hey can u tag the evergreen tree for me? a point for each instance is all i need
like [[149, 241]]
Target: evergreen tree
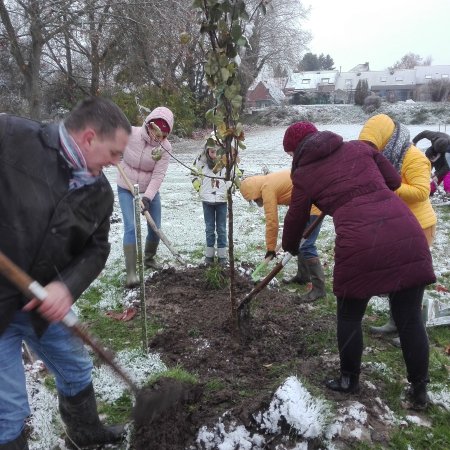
[[361, 92], [309, 62], [312, 62]]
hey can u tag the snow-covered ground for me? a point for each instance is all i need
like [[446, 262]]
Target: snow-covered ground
[[183, 225]]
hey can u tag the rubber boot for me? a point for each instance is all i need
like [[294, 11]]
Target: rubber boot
[[129, 251], [417, 396], [222, 256], [317, 279], [20, 443], [388, 328], [83, 426], [348, 384], [149, 255], [209, 255], [302, 276]]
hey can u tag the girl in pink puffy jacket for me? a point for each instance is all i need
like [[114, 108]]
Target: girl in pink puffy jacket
[[145, 163]]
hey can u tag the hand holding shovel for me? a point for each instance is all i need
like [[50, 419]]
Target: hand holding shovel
[[258, 288], [261, 267], [150, 220], [149, 404]]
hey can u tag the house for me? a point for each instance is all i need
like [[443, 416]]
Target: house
[[396, 85], [266, 93], [333, 86], [320, 83]]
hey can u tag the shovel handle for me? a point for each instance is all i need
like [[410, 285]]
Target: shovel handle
[[150, 220], [32, 289], [259, 287], [29, 287]]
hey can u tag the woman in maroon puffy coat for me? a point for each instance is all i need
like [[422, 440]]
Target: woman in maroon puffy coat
[[380, 247]]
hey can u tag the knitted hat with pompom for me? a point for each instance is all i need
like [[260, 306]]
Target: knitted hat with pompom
[[296, 133]]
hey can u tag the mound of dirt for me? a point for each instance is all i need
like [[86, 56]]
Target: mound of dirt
[[198, 335]]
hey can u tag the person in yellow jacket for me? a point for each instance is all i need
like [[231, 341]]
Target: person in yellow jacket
[[275, 189], [393, 139]]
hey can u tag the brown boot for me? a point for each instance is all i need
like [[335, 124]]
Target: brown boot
[[302, 276], [149, 255], [317, 279], [83, 425], [129, 252]]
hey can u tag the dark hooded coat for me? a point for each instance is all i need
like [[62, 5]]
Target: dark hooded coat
[[380, 246]]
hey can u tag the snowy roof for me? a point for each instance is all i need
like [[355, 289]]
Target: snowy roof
[[428, 73], [310, 79], [274, 86], [349, 80], [361, 68]]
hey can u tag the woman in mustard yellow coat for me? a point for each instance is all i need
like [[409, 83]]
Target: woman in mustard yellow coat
[[393, 139], [275, 189]]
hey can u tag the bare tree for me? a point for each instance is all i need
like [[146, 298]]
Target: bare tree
[[275, 38], [409, 61], [29, 25]]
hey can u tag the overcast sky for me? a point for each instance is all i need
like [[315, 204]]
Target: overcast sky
[[354, 31]]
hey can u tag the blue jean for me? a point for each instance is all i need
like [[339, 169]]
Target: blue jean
[[215, 215], [63, 354], [308, 249], [127, 206]]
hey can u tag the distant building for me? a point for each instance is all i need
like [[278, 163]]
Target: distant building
[[333, 86], [266, 93]]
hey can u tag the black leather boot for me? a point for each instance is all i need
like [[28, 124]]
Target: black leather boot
[[20, 443], [348, 384], [417, 396], [84, 429]]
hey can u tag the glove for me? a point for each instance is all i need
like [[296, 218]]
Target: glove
[[270, 254], [439, 140], [147, 202], [197, 184]]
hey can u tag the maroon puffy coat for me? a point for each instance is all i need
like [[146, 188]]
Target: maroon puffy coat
[[380, 246]]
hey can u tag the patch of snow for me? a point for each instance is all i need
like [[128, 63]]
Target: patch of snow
[[229, 436], [439, 396], [379, 304], [292, 403], [110, 387], [44, 420], [419, 421]]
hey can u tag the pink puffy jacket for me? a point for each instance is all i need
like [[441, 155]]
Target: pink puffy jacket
[[140, 162]]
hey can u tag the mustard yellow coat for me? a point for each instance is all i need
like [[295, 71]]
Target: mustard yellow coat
[[274, 189], [415, 170]]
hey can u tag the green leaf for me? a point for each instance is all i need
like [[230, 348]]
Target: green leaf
[[225, 74], [242, 145], [236, 102], [242, 42], [231, 91], [236, 32]]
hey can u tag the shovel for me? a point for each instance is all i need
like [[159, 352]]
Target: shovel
[[261, 267], [150, 404], [32, 289], [243, 304], [150, 220]]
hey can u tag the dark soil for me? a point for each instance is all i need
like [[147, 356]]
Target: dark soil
[[240, 377]]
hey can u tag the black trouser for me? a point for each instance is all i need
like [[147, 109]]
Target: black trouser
[[406, 307]]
